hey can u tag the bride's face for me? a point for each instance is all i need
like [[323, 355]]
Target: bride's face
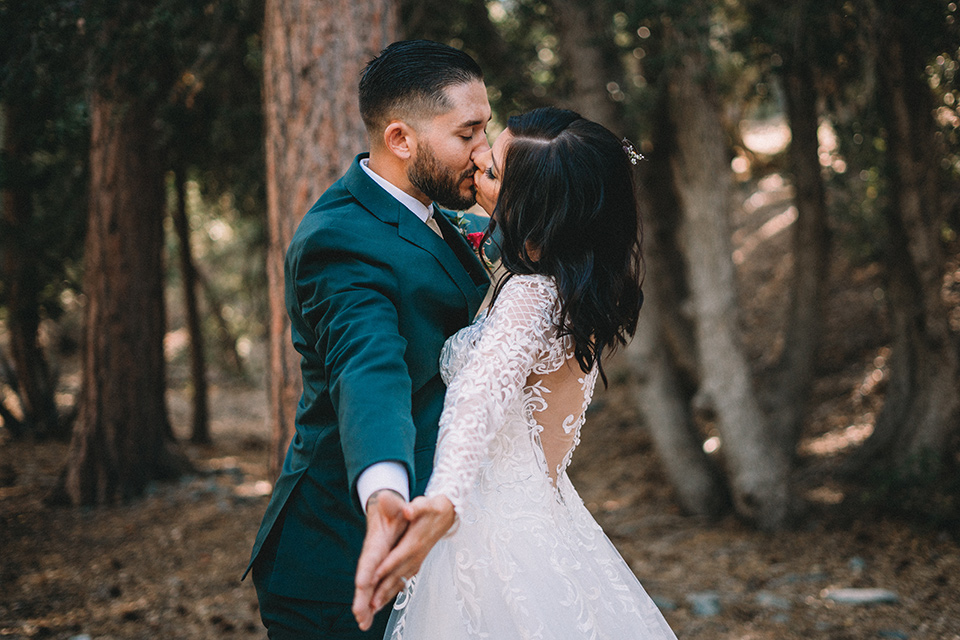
[[489, 171]]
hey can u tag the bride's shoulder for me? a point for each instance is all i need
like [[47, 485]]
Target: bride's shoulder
[[526, 294], [530, 285]]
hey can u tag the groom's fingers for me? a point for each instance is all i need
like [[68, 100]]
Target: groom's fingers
[[385, 525]]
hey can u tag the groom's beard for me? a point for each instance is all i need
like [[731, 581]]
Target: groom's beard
[[439, 183]]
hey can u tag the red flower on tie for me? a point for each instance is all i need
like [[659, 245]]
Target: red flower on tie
[[475, 239]]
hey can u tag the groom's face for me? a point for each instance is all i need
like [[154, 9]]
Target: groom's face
[[443, 168]]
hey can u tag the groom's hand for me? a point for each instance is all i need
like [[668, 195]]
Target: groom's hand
[[430, 519], [386, 522]]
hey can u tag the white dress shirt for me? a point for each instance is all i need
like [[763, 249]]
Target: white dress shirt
[[389, 474]]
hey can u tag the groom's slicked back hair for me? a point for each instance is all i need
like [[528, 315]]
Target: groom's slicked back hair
[[408, 81]]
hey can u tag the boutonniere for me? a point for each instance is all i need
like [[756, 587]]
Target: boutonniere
[[462, 225], [475, 239]]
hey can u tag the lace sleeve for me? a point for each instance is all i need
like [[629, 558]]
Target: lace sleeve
[[515, 334]]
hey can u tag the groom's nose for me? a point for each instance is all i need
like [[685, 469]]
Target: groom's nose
[[483, 147], [481, 156]]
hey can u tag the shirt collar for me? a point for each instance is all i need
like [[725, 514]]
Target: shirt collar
[[419, 209]]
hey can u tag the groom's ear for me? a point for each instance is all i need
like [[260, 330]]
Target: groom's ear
[[400, 139]]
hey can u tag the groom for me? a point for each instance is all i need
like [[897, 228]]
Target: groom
[[377, 278]]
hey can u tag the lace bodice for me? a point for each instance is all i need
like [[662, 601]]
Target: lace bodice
[[515, 399], [526, 560]]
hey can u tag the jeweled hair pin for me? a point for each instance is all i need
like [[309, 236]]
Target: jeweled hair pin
[[631, 151]]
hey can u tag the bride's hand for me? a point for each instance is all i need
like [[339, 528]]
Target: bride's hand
[[430, 519]]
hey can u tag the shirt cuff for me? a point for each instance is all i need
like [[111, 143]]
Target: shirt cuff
[[388, 474]]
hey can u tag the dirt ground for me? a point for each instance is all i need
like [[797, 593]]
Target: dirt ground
[[168, 566]]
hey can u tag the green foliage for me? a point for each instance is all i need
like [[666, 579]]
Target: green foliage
[[859, 201], [45, 125], [226, 246], [504, 37], [944, 78], [195, 66]]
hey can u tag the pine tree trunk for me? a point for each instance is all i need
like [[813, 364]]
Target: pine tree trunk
[[757, 468], [225, 337], [200, 425], [314, 51], [582, 40], [922, 408], [794, 373], [663, 353], [666, 411], [119, 443], [34, 380]]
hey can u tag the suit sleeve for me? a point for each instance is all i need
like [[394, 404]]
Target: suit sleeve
[[347, 297]]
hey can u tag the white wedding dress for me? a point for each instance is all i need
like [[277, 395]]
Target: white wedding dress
[[525, 558]]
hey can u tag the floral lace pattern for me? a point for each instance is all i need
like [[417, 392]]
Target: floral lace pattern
[[526, 559]]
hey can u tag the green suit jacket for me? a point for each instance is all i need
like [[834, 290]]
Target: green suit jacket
[[372, 293]]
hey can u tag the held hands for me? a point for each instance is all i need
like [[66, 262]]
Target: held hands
[[399, 536], [385, 524]]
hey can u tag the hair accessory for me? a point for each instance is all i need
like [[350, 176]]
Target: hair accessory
[[631, 151]]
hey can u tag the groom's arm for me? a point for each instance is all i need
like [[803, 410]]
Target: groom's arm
[[347, 297]]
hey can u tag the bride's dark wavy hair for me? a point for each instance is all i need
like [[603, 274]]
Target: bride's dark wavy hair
[[567, 196]]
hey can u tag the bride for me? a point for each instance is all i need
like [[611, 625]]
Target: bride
[[524, 558]]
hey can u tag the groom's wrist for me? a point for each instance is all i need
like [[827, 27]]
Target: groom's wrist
[[376, 495], [388, 474]]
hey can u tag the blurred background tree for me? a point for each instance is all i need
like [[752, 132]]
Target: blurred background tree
[[862, 95], [139, 71], [45, 127], [313, 131]]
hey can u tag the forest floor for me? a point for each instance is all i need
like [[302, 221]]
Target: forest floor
[[169, 565]]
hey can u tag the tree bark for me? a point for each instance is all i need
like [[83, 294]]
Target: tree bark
[[314, 51], [794, 373], [757, 468], [663, 353], [200, 426], [118, 442], [666, 412], [662, 356], [582, 39], [922, 408], [34, 381]]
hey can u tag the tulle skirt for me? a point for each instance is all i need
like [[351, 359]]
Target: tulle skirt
[[542, 570]]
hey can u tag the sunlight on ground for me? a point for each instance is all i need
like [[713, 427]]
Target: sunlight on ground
[[253, 489], [769, 137], [839, 440], [875, 376], [174, 342], [770, 228], [853, 435], [825, 495]]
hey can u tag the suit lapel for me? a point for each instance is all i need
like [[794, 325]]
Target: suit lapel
[[453, 256], [413, 230]]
